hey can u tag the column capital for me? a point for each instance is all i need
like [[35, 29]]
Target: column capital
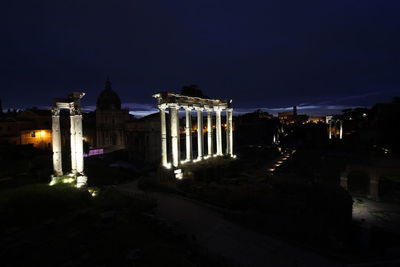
[[218, 108], [74, 109], [163, 106], [209, 108], [199, 108], [55, 111], [173, 105]]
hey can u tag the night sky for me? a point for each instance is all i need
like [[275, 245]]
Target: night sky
[[271, 54]]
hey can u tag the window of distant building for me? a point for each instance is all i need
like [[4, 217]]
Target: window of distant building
[[33, 134]]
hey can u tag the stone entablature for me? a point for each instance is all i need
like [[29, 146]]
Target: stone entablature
[[174, 102], [190, 101]]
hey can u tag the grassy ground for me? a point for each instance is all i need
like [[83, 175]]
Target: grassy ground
[[64, 226]]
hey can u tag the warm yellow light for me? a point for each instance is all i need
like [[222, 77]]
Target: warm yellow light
[[67, 180], [93, 192]]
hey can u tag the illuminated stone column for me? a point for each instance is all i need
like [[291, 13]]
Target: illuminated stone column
[[56, 142], [72, 138], [175, 134], [200, 134], [210, 143], [341, 130], [218, 130], [81, 179], [229, 132], [188, 131], [330, 129], [164, 152], [79, 143]]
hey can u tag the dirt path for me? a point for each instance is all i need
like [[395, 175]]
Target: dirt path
[[209, 229]]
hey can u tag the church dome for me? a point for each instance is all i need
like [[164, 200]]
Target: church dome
[[108, 99]]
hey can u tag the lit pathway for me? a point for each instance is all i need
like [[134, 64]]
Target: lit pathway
[[285, 155], [221, 237]]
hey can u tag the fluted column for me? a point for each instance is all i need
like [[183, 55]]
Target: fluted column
[[200, 134], [79, 142], [330, 129], [210, 143], [188, 131], [56, 142], [164, 152], [175, 135], [218, 130], [229, 132], [341, 130], [73, 138]]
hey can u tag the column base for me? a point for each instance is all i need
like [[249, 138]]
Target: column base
[[64, 179], [54, 179], [81, 181]]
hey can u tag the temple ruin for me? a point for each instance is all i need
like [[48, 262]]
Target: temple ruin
[[174, 102], [73, 104], [335, 129]]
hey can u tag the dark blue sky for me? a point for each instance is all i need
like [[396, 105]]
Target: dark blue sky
[[259, 53]]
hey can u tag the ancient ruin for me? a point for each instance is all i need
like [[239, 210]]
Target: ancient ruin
[[335, 129], [73, 104], [174, 102]]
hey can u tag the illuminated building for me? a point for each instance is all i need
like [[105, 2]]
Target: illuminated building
[[15, 125], [41, 139]]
